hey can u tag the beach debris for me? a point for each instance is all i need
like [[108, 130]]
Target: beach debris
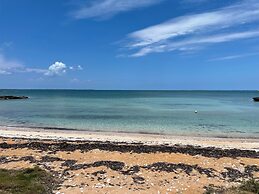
[[138, 179], [171, 167], [100, 172], [249, 169], [127, 147], [50, 159], [69, 163], [232, 174], [132, 175], [113, 165], [132, 170]]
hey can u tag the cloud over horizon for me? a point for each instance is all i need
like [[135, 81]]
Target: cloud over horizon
[[195, 30], [8, 67]]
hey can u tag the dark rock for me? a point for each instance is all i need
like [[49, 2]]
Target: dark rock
[[28, 158], [207, 171], [50, 159], [3, 160], [13, 97], [171, 167], [138, 180], [250, 169], [132, 170], [256, 99], [113, 165], [232, 174], [99, 172], [69, 163]]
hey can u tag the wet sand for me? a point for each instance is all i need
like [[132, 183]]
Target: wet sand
[[149, 139], [131, 163]]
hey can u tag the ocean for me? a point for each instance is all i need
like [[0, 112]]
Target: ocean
[[219, 113]]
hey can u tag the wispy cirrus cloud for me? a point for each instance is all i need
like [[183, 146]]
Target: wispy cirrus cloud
[[231, 57], [194, 30], [195, 1], [192, 43], [108, 8], [7, 66]]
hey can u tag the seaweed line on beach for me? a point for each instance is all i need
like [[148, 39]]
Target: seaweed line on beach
[[230, 174], [133, 148]]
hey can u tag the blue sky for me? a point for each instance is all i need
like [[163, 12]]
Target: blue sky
[[129, 44]]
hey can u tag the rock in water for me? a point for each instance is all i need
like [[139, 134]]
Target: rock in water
[[13, 97], [256, 99]]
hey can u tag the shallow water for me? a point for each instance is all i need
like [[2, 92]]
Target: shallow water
[[220, 113]]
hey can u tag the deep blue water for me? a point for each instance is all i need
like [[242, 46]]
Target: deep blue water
[[220, 113]]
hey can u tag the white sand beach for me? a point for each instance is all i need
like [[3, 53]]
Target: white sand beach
[[149, 139]]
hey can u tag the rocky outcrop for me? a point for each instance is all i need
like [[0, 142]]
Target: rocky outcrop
[[13, 97], [256, 99]]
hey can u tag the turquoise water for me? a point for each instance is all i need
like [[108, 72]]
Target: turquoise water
[[220, 113]]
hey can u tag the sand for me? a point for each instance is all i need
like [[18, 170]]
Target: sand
[[150, 139], [95, 162]]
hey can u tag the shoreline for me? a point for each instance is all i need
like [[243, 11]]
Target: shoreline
[[129, 138], [113, 167], [200, 135], [98, 162]]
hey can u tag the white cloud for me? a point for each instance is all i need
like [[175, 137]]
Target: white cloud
[[230, 57], [174, 28], [195, 1], [74, 80], [3, 72], [78, 67], [35, 70], [107, 8], [189, 44], [8, 66], [58, 68], [196, 29]]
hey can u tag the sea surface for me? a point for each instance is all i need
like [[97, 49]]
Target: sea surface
[[219, 113]]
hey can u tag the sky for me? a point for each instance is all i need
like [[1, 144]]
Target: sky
[[129, 44]]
